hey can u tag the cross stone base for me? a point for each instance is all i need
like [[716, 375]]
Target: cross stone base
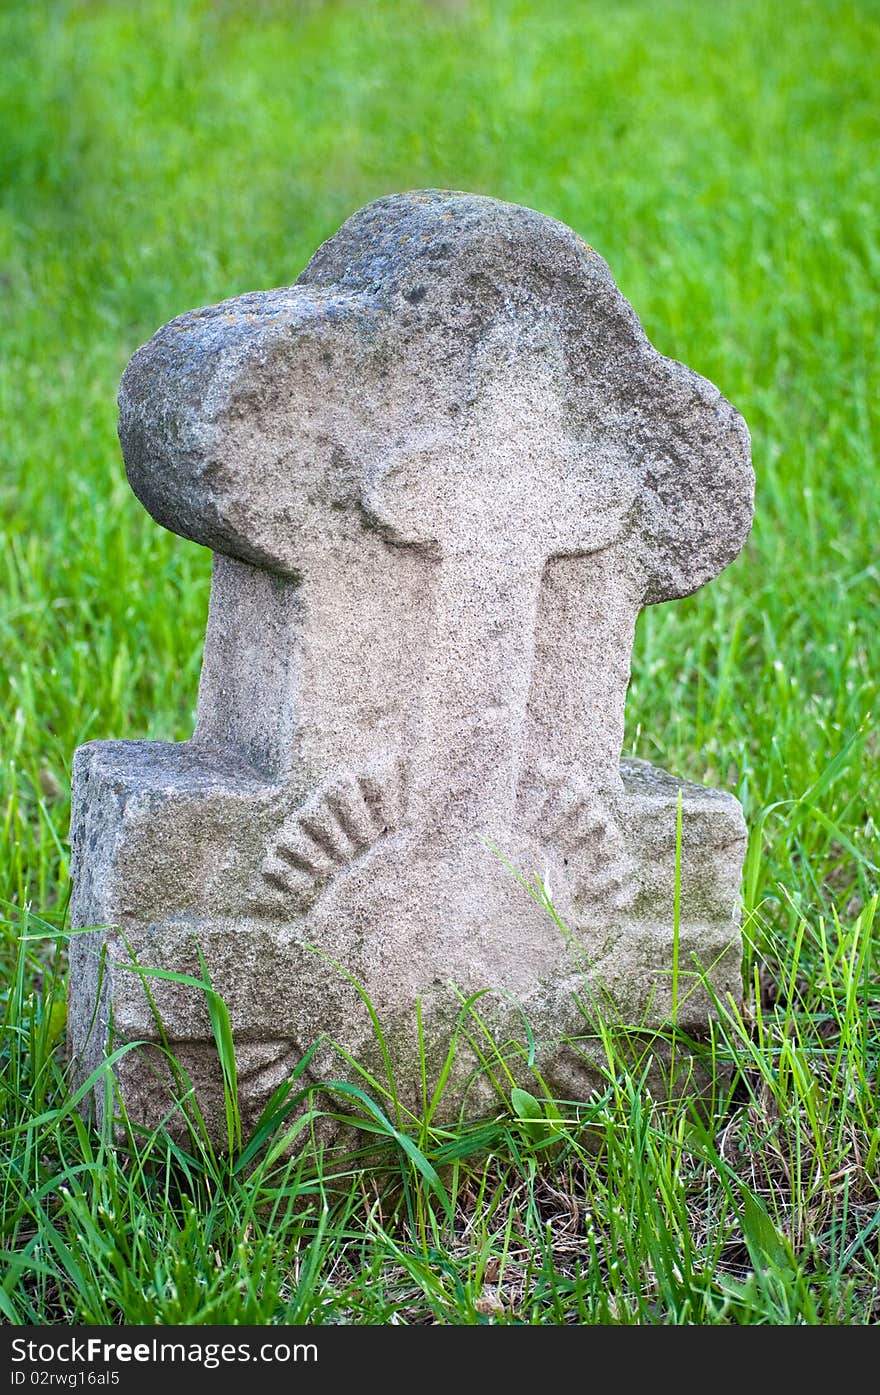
[[168, 851]]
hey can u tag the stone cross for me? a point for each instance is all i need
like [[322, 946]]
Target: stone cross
[[441, 474]]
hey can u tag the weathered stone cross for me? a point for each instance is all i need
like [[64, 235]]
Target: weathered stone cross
[[441, 475]]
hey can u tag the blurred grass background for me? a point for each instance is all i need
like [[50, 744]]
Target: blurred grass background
[[722, 158]]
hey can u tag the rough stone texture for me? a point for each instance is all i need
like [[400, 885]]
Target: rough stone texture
[[441, 474]]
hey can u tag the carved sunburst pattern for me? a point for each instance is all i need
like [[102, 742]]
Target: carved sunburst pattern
[[581, 825], [340, 822]]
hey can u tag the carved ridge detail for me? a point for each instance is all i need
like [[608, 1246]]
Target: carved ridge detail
[[581, 825], [338, 824]]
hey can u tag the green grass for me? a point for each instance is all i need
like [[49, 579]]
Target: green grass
[[723, 159]]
